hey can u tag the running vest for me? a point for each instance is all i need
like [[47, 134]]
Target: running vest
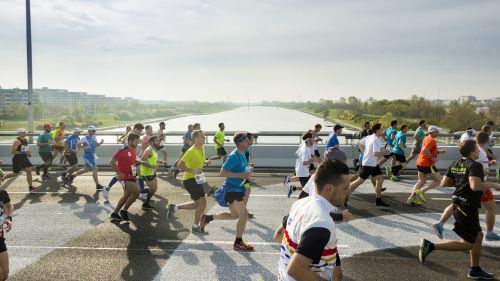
[[146, 171], [23, 148], [313, 211]]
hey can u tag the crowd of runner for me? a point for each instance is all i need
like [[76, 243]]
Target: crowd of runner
[[307, 233]]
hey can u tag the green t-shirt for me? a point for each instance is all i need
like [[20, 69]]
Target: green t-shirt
[[194, 158], [44, 138], [420, 133], [219, 136]]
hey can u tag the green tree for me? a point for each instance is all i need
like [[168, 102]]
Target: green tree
[[460, 116]]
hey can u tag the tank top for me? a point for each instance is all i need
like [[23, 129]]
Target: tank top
[[23, 147], [153, 158]]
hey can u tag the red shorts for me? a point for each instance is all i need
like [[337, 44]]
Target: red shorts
[[487, 195]]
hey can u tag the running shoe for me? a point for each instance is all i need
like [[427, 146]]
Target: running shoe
[[492, 236], [251, 216], [33, 188], [124, 215], [413, 201], [438, 230], [286, 181], [203, 222], [381, 203], [421, 195], [388, 171], [115, 217], [2, 173], [146, 206], [290, 190], [242, 246], [383, 189], [99, 187], [170, 210], [196, 230], [105, 193], [425, 250], [37, 170], [480, 274], [394, 178]]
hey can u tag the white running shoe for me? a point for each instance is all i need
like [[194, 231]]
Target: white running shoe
[[143, 195], [105, 193]]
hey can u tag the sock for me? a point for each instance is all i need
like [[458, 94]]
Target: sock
[[294, 188], [112, 182], [196, 225], [149, 197], [141, 184], [176, 208], [475, 268], [238, 240], [378, 199], [431, 246]]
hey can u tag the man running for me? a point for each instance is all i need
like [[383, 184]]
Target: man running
[[44, 143], [235, 172], [186, 144], [191, 164], [369, 166], [219, 140], [148, 170], [71, 144], [6, 213], [20, 161], [333, 139], [390, 135], [124, 164], [161, 148], [426, 162], [467, 176], [418, 138], [398, 151], [59, 143], [309, 244], [89, 144], [468, 135], [316, 139], [121, 139]]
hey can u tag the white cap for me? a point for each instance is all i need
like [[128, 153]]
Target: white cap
[[92, 128], [433, 129], [21, 130], [77, 130]]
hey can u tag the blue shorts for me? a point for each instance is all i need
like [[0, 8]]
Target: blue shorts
[[89, 160]]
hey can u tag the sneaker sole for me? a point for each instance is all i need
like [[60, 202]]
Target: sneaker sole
[[420, 252], [478, 278]]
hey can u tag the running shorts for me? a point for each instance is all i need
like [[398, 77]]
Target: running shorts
[[184, 149], [221, 151], [400, 157], [303, 194], [390, 149], [71, 158], [316, 153], [195, 189], [234, 196], [427, 169], [369, 171], [149, 178], [487, 195], [58, 148], [46, 156], [466, 222], [304, 180], [3, 247], [20, 162], [89, 160], [311, 167]]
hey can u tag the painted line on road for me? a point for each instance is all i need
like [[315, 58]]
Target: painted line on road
[[221, 242], [449, 199], [40, 192]]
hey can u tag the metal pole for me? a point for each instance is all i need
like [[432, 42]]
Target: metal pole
[[30, 72]]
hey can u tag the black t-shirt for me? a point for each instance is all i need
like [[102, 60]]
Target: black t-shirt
[[4, 199], [363, 134], [313, 242], [460, 171]]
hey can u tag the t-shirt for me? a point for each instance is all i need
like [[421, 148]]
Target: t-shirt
[[220, 136], [491, 143], [59, 138], [333, 140], [310, 186], [72, 141], [459, 172], [483, 159], [399, 137], [89, 144], [429, 143], [363, 134], [304, 154], [389, 132], [237, 163], [372, 145], [45, 138], [4, 200], [315, 136], [187, 138], [419, 137], [464, 137], [194, 158], [126, 162]]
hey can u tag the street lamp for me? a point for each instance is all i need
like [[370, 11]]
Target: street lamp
[[30, 72]]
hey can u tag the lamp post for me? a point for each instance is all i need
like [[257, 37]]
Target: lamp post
[[30, 72]]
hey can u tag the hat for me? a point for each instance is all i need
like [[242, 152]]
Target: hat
[[433, 129], [77, 130], [336, 127], [21, 130], [47, 126], [92, 128], [470, 129]]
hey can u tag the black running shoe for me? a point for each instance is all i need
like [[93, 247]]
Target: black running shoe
[[124, 215], [381, 203], [146, 206], [99, 187], [115, 217], [37, 171]]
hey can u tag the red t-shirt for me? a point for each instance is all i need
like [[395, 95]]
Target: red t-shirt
[[126, 162], [423, 159]]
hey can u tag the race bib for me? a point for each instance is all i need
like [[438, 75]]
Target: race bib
[[133, 169], [24, 148]]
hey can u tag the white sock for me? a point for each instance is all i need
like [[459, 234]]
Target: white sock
[[176, 208]]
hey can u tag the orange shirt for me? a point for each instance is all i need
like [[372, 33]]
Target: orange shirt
[[59, 137], [423, 159]]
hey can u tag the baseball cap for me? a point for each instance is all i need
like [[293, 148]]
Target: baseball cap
[[433, 129], [46, 126], [336, 127], [77, 130], [21, 130], [92, 128]]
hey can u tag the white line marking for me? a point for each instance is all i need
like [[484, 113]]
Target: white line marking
[[40, 192], [261, 195], [192, 241], [449, 199]]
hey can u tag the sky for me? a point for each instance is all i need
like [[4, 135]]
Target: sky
[[239, 51]]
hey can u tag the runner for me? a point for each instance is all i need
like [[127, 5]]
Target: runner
[[425, 167], [468, 135], [309, 244], [2, 173], [20, 161], [489, 129], [487, 199], [191, 164], [467, 176], [316, 139], [186, 144], [248, 156], [369, 166], [361, 148], [122, 137], [148, 170], [398, 151], [70, 152], [235, 172], [219, 140], [124, 164], [148, 133], [333, 139], [161, 148], [6, 213], [89, 144], [390, 135], [59, 143], [418, 137], [44, 143]]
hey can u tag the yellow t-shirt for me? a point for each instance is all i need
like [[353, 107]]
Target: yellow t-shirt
[[194, 158], [59, 137], [219, 136]]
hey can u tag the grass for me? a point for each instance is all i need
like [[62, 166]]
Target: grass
[[12, 125]]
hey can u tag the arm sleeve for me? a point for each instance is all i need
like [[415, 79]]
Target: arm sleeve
[[313, 242]]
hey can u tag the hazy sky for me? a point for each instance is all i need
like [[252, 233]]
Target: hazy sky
[[258, 50]]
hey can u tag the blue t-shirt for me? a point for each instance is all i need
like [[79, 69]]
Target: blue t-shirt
[[237, 163], [332, 141], [44, 138], [71, 141], [89, 144], [399, 137], [187, 137], [388, 133]]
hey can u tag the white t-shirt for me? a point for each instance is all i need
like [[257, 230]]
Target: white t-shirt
[[315, 143], [372, 144], [483, 159], [464, 137], [304, 154], [310, 186]]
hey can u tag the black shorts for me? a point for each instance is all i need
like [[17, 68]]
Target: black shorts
[[303, 194], [316, 153], [427, 169], [304, 180], [3, 247], [337, 260], [58, 148], [221, 151], [20, 162], [234, 196], [195, 189], [488, 155], [184, 149], [400, 157], [311, 167], [149, 178], [46, 156], [71, 158], [367, 171], [466, 223]]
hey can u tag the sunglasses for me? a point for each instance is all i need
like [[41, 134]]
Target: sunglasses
[[241, 139]]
